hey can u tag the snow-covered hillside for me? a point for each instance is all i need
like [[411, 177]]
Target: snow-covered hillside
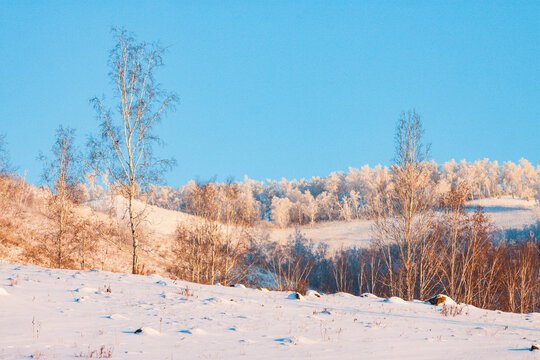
[[63, 314], [505, 213]]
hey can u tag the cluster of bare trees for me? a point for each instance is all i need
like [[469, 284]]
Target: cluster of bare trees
[[62, 174], [455, 255], [215, 245], [425, 250], [426, 244], [469, 268]]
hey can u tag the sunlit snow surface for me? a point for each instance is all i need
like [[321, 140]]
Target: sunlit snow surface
[[63, 314], [505, 213]]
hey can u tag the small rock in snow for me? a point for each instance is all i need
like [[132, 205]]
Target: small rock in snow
[[441, 299], [369, 296], [148, 331], [295, 296]]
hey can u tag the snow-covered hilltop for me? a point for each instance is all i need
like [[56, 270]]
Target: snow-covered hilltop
[[62, 314]]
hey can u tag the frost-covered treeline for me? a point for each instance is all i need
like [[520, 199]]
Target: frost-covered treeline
[[343, 195]]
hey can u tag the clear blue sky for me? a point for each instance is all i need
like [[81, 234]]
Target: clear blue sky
[[277, 89]]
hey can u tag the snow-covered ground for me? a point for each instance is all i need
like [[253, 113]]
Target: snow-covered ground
[[335, 234], [63, 314], [505, 213]]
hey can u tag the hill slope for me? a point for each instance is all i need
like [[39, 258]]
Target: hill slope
[[59, 314], [506, 213]]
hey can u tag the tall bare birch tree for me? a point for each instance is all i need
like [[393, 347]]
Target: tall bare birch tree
[[404, 217], [124, 147], [62, 174]]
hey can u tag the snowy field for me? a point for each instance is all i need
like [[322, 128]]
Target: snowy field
[[508, 212], [63, 314], [505, 213]]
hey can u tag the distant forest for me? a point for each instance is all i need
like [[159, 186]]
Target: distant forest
[[339, 196]]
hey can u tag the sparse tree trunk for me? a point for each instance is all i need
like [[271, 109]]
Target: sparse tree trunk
[[134, 236]]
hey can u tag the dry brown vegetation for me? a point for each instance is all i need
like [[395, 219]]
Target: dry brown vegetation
[[216, 244], [92, 239]]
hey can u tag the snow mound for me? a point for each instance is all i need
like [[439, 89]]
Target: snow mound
[[286, 340], [311, 293], [116, 317], [369, 296], [168, 295], [295, 296], [3, 292], [344, 295], [215, 300], [395, 300], [194, 331], [147, 331], [304, 340], [294, 340], [86, 290], [239, 286]]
